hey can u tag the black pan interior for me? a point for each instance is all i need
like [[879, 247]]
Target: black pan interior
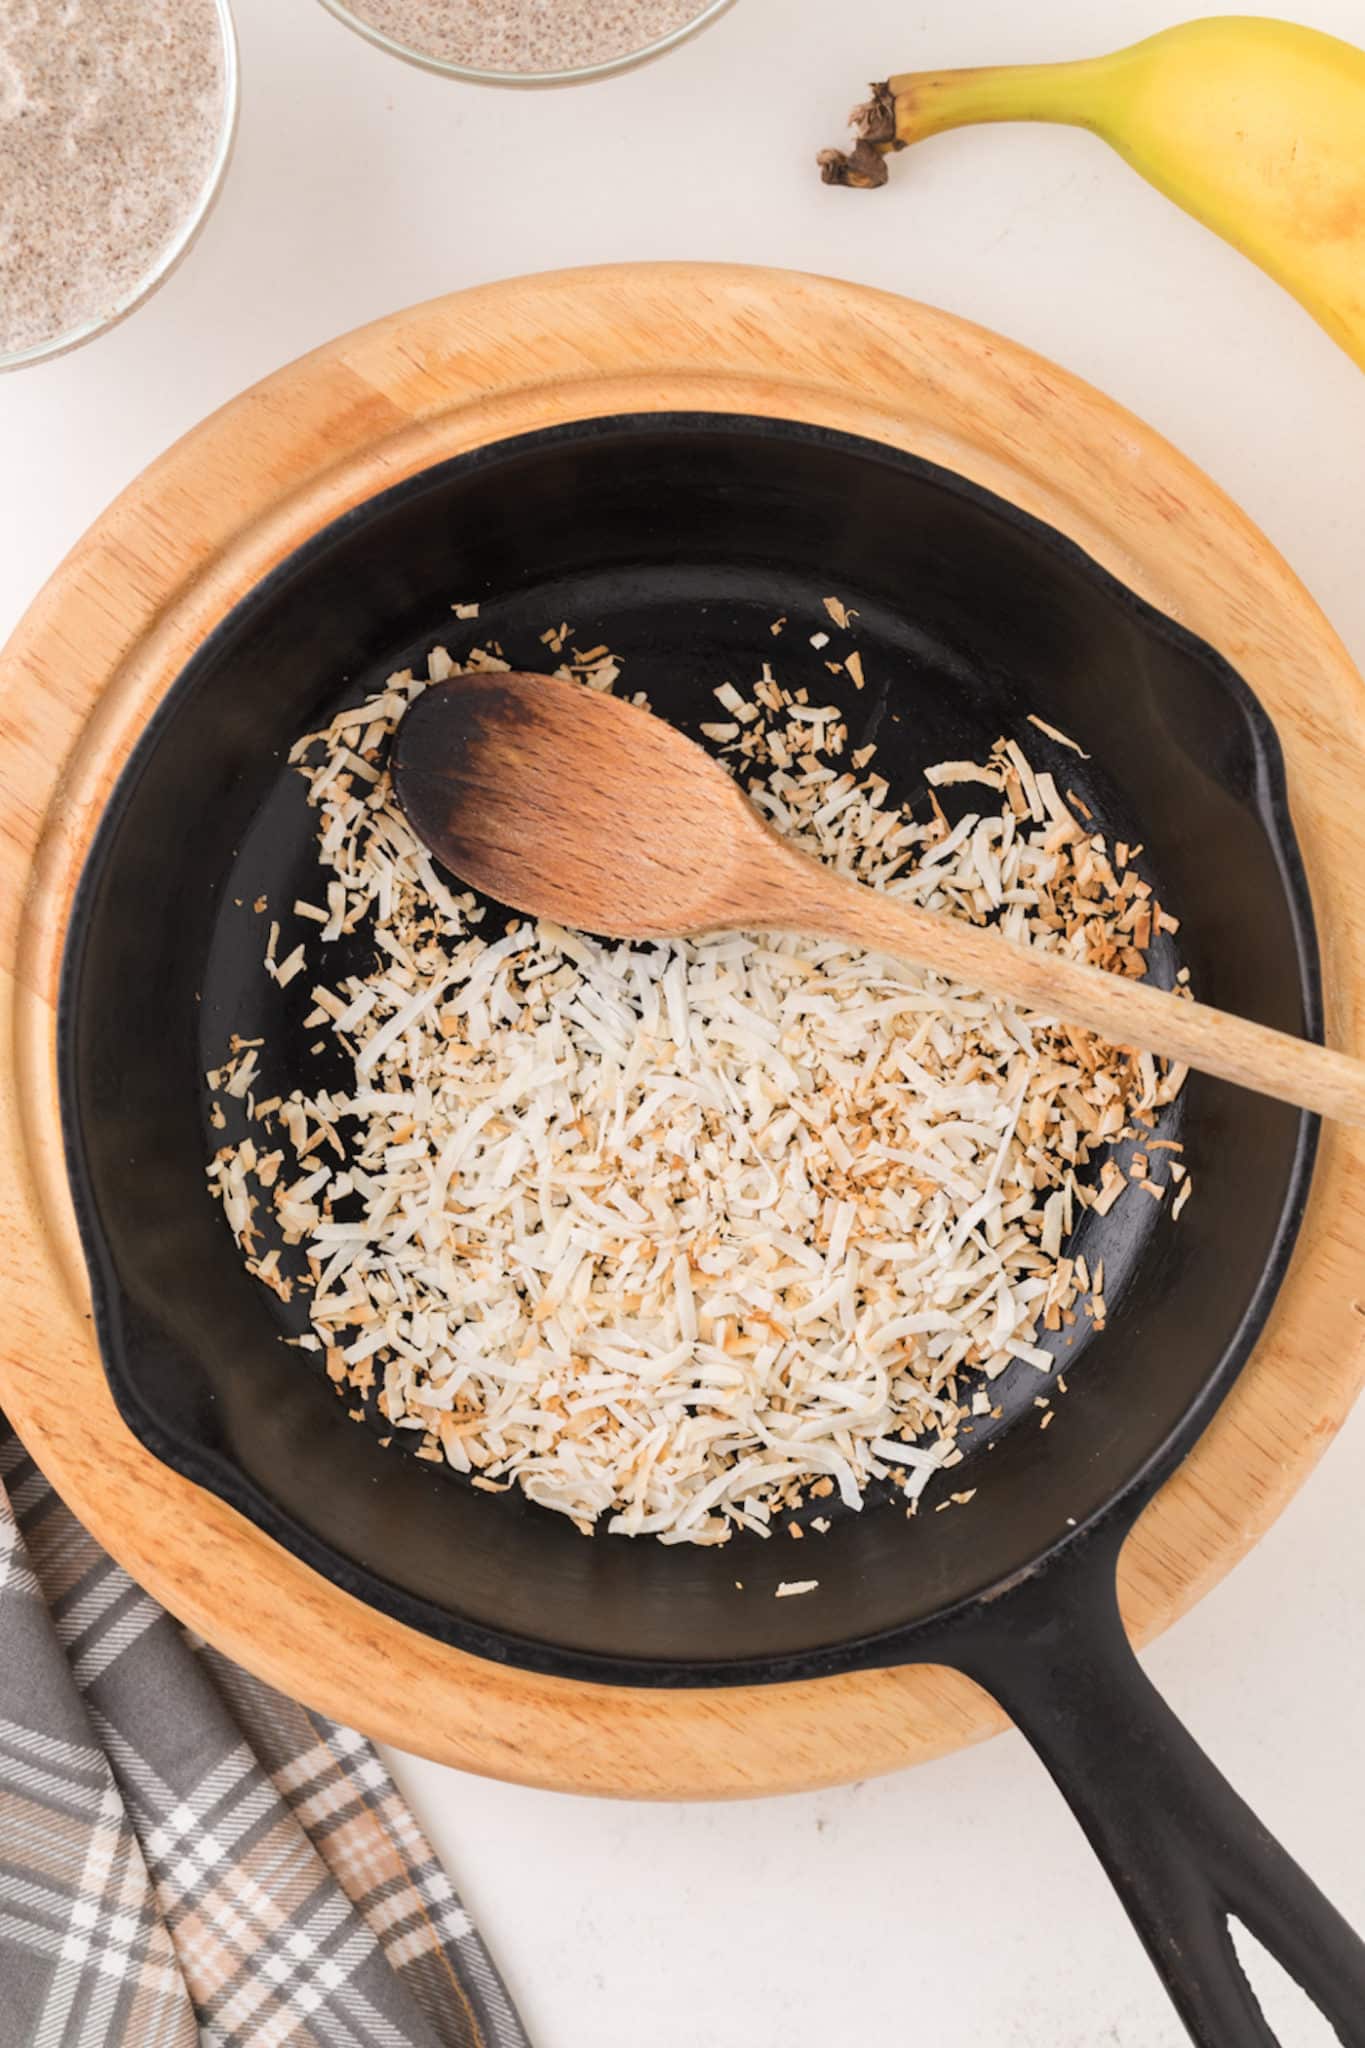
[[678, 541]]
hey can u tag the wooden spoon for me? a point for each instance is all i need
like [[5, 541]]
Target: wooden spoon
[[564, 803]]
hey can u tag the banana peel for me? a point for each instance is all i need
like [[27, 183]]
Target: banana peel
[[1256, 127]]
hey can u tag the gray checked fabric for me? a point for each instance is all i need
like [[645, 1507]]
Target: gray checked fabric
[[187, 1857]]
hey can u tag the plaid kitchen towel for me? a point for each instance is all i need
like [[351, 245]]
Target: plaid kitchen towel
[[185, 1855]]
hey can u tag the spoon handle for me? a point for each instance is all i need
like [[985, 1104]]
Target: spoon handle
[[1123, 1012]]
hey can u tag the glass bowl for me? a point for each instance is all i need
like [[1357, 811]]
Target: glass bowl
[[181, 242], [571, 75]]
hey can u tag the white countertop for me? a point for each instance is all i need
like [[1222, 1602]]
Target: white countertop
[[361, 184]]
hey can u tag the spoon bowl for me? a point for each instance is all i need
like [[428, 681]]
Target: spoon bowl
[[563, 802]]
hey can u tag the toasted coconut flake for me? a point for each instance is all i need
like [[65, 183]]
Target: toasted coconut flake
[[1062, 739], [676, 1237], [949, 772]]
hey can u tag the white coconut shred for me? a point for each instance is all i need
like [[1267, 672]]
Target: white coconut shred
[[678, 1236]]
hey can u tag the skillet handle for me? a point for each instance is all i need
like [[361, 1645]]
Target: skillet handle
[[1182, 1850]]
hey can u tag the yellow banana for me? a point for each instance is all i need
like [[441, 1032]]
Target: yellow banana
[[1255, 127]]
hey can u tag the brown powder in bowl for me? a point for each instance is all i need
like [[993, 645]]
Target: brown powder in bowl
[[523, 37], [112, 114]]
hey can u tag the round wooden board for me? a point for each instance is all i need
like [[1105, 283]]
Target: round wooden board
[[111, 631]]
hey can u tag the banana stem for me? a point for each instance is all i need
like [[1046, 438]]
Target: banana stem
[[917, 104], [928, 102]]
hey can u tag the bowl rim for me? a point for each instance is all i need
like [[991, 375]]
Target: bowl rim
[[185, 237], [580, 74]]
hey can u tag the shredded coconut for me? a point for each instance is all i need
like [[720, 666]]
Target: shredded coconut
[[678, 1236]]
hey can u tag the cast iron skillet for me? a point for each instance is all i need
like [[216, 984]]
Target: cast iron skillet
[[679, 541]]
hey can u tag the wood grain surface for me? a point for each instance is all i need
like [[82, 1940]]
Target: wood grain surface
[[109, 634]]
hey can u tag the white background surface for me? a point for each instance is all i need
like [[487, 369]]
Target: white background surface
[[361, 184]]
